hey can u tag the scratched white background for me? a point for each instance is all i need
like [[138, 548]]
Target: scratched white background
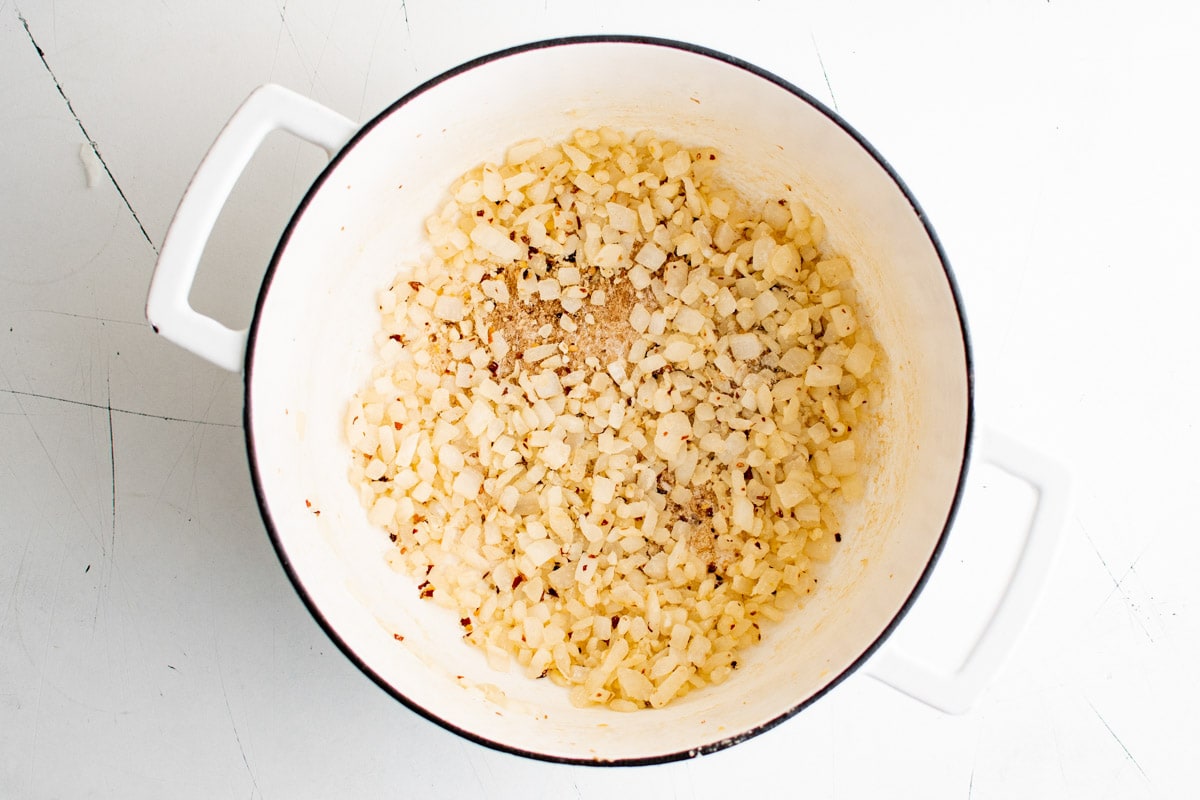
[[150, 644]]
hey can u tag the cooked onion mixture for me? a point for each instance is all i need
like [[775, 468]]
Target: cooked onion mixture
[[613, 416]]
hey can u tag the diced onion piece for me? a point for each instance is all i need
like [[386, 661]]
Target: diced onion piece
[[858, 362], [796, 360], [449, 308], [622, 217], [650, 256], [468, 483], [496, 242], [678, 351], [785, 262], [672, 431], [745, 346], [820, 376], [842, 458], [547, 384], [689, 321], [844, 323], [677, 166], [540, 551], [792, 493], [523, 151]]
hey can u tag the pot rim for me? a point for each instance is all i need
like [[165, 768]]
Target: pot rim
[[247, 411]]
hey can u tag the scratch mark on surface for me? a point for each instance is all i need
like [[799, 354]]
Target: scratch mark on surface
[[43, 667], [233, 723], [1128, 601], [362, 101], [324, 47], [821, 61], [285, 27], [483, 789], [279, 38], [10, 606], [1061, 757], [974, 764], [194, 445], [162, 489], [1117, 739], [109, 408], [404, 8], [91, 317], [90, 141], [1119, 586], [53, 463], [112, 467]]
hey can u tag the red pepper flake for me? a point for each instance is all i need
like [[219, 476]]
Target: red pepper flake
[[465, 622], [398, 425], [517, 581], [308, 503], [426, 590], [615, 619], [397, 637], [837, 537], [479, 213], [415, 285], [395, 337]]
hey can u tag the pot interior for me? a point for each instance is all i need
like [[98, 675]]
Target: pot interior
[[311, 350]]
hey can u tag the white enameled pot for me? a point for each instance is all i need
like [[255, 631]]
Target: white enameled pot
[[309, 349]]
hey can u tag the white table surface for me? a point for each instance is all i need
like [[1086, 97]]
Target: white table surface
[[150, 643]]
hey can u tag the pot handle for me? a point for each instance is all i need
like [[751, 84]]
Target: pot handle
[[268, 108], [956, 693]]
